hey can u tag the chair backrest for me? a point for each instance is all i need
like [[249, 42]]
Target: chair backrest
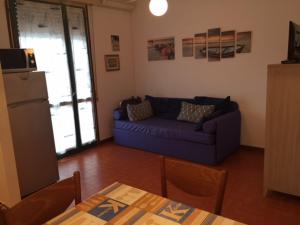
[[194, 179], [45, 204]]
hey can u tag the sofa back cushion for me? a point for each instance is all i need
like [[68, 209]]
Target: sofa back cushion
[[167, 108], [121, 112], [139, 111], [132, 101], [194, 113], [224, 104]]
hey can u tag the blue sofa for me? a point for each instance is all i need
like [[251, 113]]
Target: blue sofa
[[163, 134]]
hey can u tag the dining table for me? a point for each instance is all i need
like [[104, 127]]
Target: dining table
[[121, 204]]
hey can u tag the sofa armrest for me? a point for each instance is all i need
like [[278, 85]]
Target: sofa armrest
[[120, 114], [227, 129], [210, 126]]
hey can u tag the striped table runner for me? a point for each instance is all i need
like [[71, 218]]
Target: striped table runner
[[120, 204]]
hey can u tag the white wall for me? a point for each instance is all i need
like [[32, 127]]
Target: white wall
[[243, 77], [112, 87]]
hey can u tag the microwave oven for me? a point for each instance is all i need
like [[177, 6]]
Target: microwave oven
[[17, 60]]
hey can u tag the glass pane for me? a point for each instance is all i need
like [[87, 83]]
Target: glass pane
[[82, 73], [64, 128], [41, 28], [86, 121]]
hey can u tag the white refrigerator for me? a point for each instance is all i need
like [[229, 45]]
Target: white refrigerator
[[32, 133]]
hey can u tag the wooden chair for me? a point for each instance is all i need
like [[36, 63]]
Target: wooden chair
[[45, 204], [195, 180]]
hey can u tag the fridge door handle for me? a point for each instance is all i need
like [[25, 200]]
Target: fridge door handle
[[18, 104]]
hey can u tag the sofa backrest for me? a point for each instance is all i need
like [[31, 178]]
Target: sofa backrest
[[169, 108], [133, 101], [121, 112], [204, 100]]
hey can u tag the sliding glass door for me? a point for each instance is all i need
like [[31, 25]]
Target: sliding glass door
[[81, 63], [58, 35]]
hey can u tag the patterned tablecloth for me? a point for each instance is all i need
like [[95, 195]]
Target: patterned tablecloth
[[122, 204]]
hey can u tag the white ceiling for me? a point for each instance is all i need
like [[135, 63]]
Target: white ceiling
[[124, 1], [120, 4]]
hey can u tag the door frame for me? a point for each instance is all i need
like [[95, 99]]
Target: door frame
[[14, 42]]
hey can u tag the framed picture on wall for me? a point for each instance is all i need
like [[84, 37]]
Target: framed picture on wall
[[200, 46], [188, 47], [228, 44], [214, 44], [161, 49], [115, 42], [243, 44], [112, 62]]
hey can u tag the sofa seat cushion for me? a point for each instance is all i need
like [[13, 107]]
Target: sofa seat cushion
[[167, 129]]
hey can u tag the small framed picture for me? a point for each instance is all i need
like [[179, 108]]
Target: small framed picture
[[161, 49], [115, 42], [200, 46], [112, 62], [228, 44], [188, 47], [214, 44], [243, 44]]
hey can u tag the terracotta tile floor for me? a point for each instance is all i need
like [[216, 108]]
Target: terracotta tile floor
[[243, 201]]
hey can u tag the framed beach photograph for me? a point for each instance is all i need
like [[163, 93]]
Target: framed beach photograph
[[115, 42], [161, 49], [200, 46], [214, 44], [188, 47], [243, 44], [112, 62], [228, 44]]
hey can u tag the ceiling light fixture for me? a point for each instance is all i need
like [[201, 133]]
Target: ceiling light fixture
[[158, 7]]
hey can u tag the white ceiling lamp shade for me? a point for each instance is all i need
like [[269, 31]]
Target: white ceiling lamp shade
[[158, 7]]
